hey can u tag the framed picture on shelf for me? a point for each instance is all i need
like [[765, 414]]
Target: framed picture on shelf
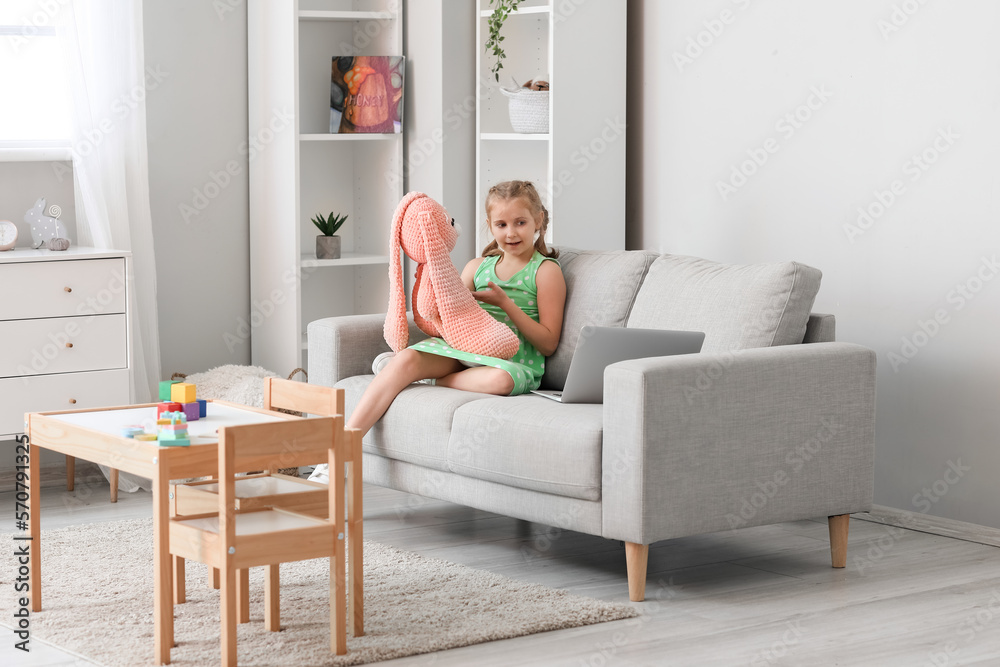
[[366, 94]]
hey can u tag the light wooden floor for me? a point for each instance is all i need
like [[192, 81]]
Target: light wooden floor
[[759, 597]]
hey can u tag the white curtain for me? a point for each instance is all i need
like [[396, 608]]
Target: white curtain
[[108, 80]]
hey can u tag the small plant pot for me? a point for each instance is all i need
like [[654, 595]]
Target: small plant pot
[[327, 247]]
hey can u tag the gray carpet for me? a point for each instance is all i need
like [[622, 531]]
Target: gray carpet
[[98, 602]]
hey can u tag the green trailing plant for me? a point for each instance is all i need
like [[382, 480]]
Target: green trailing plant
[[502, 9], [329, 225]]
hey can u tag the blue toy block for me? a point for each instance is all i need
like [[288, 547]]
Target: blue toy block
[[179, 442], [202, 407], [131, 431], [165, 389]]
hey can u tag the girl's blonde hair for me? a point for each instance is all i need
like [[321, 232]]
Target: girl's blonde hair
[[526, 191]]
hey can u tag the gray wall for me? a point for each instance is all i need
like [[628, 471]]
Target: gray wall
[[21, 183], [197, 130], [903, 125]]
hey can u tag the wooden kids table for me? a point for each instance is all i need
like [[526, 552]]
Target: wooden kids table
[[93, 435]]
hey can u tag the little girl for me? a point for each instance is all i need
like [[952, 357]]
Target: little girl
[[517, 284]]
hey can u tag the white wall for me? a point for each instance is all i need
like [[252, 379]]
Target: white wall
[[440, 119], [199, 188], [895, 86]]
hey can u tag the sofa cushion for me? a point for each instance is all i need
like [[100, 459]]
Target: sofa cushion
[[531, 443], [417, 425], [600, 289], [737, 306]]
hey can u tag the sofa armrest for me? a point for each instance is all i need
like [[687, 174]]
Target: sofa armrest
[[706, 442], [341, 347]]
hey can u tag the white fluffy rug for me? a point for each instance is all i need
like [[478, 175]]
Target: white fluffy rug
[[237, 384], [98, 602]]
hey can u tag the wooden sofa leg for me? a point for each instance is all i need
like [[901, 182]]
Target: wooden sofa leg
[[636, 556], [838, 539]]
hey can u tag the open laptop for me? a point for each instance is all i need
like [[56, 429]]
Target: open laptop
[[600, 346]]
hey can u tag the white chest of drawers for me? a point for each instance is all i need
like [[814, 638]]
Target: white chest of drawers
[[64, 332]]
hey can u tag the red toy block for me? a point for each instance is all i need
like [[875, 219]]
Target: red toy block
[[167, 406]]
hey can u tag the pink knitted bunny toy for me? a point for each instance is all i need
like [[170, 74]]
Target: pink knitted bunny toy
[[442, 305]]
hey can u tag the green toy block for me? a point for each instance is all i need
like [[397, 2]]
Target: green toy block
[[165, 389]]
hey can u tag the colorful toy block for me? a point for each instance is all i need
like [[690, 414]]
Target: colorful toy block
[[148, 437], [173, 431], [165, 391], [202, 407], [192, 410], [167, 406], [183, 392], [131, 431]]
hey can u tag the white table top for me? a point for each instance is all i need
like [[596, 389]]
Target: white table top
[[200, 432]]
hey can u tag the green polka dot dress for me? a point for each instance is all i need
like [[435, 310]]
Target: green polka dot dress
[[527, 366]]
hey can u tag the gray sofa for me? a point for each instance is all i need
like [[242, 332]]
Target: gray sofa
[[758, 428]]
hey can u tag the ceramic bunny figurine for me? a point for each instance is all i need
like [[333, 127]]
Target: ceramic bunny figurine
[[442, 305], [43, 227]]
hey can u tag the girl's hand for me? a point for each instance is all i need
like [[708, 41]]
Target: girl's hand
[[494, 296]]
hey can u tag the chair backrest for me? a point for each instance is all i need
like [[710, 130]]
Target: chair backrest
[[301, 397], [285, 443]]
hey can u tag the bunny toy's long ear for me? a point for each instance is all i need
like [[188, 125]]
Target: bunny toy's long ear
[[447, 285], [395, 331]]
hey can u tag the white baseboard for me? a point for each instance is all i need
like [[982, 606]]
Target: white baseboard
[[935, 525]]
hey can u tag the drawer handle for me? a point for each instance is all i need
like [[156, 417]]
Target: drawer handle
[[68, 289], [72, 401], [69, 344]]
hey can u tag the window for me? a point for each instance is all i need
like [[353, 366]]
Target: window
[[36, 109]]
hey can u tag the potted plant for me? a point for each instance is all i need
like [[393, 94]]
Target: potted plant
[[327, 243], [502, 8]]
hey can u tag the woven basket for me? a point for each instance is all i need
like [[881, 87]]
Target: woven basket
[[529, 110]]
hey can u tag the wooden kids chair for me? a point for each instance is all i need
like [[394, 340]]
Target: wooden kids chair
[[233, 540], [271, 489]]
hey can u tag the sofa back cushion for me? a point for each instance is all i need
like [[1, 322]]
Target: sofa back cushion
[[600, 289], [737, 306]]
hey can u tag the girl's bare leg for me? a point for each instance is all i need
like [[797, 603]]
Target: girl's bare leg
[[406, 367], [483, 379]]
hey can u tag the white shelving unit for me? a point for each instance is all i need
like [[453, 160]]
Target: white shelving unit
[[305, 170], [579, 165]]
